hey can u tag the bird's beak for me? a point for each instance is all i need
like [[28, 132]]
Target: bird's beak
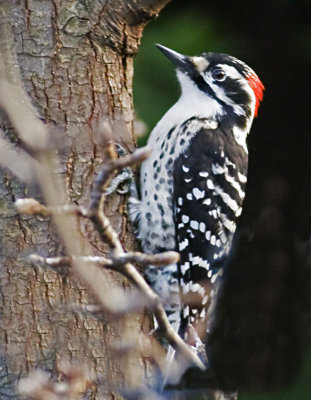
[[179, 60]]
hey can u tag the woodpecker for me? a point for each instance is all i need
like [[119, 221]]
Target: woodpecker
[[193, 183]]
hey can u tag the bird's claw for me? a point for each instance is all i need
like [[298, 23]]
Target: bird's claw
[[121, 183]]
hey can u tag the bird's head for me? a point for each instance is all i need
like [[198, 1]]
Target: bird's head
[[225, 79]]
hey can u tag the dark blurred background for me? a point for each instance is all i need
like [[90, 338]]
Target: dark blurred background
[[274, 38]]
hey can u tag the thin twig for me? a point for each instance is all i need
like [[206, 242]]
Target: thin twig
[[30, 206], [120, 260], [74, 382], [13, 98], [142, 259], [96, 207], [17, 161], [108, 235]]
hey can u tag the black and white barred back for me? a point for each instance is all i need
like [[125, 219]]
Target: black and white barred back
[[193, 184]]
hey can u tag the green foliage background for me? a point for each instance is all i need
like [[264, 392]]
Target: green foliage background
[[274, 39]]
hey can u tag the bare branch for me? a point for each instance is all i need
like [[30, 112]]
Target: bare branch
[[110, 168], [95, 212], [165, 258], [111, 298], [17, 104], [18, 162], [74, 383], [108, 235], [50, 261], [31, 206], [161, 259]]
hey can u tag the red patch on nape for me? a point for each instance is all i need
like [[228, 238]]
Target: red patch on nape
[[258, 88]]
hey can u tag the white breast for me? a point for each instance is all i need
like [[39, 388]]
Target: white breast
[[157, 229]]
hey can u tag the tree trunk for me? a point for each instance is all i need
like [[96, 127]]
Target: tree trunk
[[76, 63]]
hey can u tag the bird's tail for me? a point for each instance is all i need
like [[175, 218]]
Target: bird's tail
[[164, 281]]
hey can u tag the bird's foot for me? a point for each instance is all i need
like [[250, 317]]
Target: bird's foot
[[124, 183]]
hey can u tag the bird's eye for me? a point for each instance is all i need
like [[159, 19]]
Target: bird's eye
[[218, 74]]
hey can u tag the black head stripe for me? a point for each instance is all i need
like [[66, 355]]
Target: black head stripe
[[239, 120], [219, 58], [204, 87]]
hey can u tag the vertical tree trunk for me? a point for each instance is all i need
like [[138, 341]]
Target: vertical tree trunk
[[76, 62]]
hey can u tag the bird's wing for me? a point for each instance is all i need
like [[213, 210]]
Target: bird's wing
[[209, 181]]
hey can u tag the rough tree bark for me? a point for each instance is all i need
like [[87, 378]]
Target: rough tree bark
[[76, 62]]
